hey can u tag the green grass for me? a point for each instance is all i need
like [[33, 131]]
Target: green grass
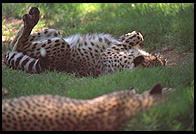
[[177, 114], [162, 24]]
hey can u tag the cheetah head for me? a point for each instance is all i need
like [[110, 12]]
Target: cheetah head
[[159, 92], [155, 60], [150, 60]]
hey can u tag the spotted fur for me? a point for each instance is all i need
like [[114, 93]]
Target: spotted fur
[[48, 112]]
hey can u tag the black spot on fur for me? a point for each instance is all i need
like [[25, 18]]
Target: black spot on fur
[[56, 41], [54, 49], [122, 38], [100, 39], [96, 51], [43, 45], [56, 45], [92, 44], [91, 54], [49, 41], [131, 43], [55, 34], [46, 32], [85, 43], [34, 46]]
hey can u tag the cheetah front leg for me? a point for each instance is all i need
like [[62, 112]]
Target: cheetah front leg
[[133, 39], [30, 20]]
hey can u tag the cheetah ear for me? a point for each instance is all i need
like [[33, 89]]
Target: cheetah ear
[[138, 60], [133, 90], [156, 90]]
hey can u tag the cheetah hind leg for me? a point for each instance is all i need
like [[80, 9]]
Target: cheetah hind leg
[[30, 20]]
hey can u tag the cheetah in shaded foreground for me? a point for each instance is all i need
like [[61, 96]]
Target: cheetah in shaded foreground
[[90, 54], [107, 112]]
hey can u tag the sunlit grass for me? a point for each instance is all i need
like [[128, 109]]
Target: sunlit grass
[[171, 23], [161, 23], [176, 114], [89, 7]]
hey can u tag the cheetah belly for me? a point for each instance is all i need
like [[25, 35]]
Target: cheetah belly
[[96, 41], [86, 50]]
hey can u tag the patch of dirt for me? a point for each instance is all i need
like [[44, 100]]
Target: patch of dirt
[[13, 21], [11, 26], [174, 57]]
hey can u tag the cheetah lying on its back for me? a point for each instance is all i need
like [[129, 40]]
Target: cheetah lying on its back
[[107, 112], [90, 54]]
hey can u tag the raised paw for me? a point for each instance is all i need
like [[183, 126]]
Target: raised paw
[[27, 20], [31, 19], [34, 12], [163, 61], [134, 38]]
